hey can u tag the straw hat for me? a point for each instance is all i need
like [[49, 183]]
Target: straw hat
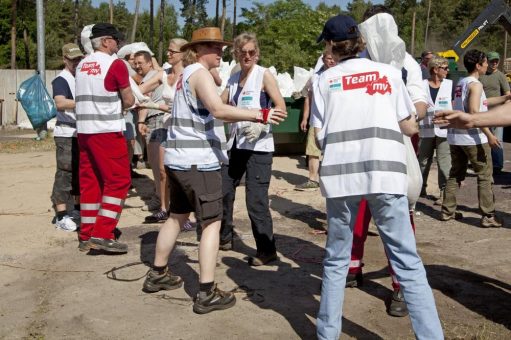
[[206, 35]]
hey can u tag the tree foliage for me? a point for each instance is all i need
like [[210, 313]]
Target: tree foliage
[[287, 30]]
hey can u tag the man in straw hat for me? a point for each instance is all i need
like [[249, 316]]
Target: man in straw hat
[[195, 150], [361, 111]]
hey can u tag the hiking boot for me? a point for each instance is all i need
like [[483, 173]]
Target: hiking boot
[[155, 282], [75, 215], [457, 216], [354, 280], [66, 223], [490, 222], [83, 246], [397, 305], [112, 246], [226, 245], [309, 185], [215, 300], [159, 216], [261, 259]]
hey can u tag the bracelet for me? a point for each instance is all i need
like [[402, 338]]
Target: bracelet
[[141, 123]]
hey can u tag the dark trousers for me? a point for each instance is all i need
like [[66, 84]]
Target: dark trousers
[[257, 166]]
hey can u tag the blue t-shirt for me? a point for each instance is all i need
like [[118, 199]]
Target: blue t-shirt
[[61, 88]]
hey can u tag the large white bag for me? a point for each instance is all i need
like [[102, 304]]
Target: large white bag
[[414, 173]]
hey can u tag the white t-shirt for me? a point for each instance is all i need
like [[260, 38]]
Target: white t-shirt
[[357, 107]]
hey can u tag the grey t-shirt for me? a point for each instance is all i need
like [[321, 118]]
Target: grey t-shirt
[[156, 95], [494, 84]]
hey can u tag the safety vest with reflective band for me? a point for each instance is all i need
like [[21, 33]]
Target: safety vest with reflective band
[[249, 98], [359, 105], [66, 119], [442, 102], [194, 136], [97, 109], [472, 136]]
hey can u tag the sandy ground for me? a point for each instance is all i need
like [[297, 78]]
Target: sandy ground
[[50, 290]]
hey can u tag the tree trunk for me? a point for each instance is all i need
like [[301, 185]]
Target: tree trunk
[[160, 42], [222, 21], [14, 4], [135, 19], [216, 12], [77, 28], [111, 12], [151, 25], [234, 21], [412, 42], [27, 51]]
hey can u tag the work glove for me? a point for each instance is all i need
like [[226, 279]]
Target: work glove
[[252, 131]]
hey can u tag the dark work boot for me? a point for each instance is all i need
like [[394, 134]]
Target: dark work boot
[[354, 280], [397, 305], [112, 246]]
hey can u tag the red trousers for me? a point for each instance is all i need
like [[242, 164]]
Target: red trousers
[[360, 234], [104, 182]]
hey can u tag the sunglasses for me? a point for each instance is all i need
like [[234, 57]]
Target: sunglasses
[[250, 53], [445, 68], [172, 52]]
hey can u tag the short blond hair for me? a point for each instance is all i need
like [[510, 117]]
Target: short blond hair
[[243, 39], [437, 61]]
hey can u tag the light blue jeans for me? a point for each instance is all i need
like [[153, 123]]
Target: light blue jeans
[[391, 215]]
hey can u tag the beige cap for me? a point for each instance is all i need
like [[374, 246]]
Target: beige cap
[[71, 51]]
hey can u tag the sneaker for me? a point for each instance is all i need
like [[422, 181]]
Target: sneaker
[[397, 305], [215, 300], [153, 204], [83, 246], [155, 282], [457, 216], [309, 185], [135, 174], [112, 246], [159, 216], [189, 226], [66, 223], [354, 280], [490, 222], [261, 260]]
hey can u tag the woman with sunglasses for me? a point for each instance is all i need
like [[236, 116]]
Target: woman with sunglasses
[[251, 149], [175, 59], [440, 97]]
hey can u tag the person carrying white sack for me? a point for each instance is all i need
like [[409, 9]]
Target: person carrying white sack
[[383, 44]]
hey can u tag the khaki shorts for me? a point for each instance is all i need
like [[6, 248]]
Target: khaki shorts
[[311, 149], [196, 191]]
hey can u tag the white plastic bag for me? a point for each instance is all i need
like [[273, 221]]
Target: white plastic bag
[[300, 78], [413, 171], [85, 39]]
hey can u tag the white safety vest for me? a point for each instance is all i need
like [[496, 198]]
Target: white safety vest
[[472, 136], [249, 98], [66, 120], [359, 105], [443, 102], [97, 110], [194, 136]]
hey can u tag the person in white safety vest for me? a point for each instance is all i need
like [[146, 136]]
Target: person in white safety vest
[[102, 92], [251, 149], [472, 145], [440, 97], [66, 176], [195, 151], [361, 111]]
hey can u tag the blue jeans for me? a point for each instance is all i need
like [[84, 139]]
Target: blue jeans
[[391, 215]]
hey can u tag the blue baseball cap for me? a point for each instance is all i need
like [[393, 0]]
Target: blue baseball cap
[[339, 28]]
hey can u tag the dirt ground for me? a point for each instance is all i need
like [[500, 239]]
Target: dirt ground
[[50, 290]]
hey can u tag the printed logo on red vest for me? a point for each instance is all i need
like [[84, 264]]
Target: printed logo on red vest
[[371, 81], [91, 68]]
